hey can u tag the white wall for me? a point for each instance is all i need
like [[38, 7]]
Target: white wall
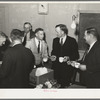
[[18, 13]]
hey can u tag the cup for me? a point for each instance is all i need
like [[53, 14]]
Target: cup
[[61, 59], [77, 65], [45, 59]]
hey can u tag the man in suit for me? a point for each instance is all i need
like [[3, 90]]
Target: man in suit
[[28, 32], [91, 63], [18, 62], [38, 47], [64, 48]]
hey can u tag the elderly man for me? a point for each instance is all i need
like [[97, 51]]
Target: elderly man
[[28, 32]]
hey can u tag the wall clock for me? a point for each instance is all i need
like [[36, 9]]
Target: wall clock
[[43, 8]]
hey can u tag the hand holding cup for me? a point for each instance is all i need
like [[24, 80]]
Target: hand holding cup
[[53, 58]]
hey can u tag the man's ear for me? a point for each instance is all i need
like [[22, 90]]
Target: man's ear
[[91, 35], [36, 34]]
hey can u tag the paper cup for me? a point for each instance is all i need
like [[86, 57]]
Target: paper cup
[[45, 59], [61, 59]]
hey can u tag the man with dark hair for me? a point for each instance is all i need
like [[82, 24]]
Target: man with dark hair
[[28, 32], [64, 48], [38, 47], [90, 66], [18, 62]]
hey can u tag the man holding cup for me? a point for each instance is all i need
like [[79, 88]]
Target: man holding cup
[[65, 48], [90, 66]]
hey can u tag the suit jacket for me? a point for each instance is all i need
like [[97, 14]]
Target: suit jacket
[[69, 48], [38, 56], [92, 62], [18, 62], [32, 35], [4, 48]]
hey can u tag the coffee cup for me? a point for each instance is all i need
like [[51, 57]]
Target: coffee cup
[[77, 65], [61, 59], [45, 59]]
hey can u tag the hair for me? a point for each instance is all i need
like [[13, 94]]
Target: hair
[[3, 35], [29, 24], [16, 34], [63, 28], [93, 31], [38, 29]]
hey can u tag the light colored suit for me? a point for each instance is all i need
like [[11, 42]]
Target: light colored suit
[[38, 56]]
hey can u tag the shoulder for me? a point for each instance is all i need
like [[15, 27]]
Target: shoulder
[[70, 38], [97, 45], [56, 39], [9, 51], [44, 42], [31, 40]]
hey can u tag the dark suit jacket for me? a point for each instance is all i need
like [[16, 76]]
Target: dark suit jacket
[[4, 48], [63, 72], [18, 62], [32, 35], [92, 62], [69, 48]]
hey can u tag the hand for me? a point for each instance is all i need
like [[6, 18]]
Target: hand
[[82, 67], [53, 58], [66, 58], [75, 64], [72, 63], [69, 62]]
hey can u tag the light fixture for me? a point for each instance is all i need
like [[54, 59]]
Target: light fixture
[[73, 25]]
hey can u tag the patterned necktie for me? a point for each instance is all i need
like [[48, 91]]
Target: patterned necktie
[[39, 47], [85, 53]]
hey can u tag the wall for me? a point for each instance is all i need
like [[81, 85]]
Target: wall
[[18, 13]]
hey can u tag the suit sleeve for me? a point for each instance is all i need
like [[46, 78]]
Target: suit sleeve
[[94, 65], [74, 50], [45, 54], [53, 47], [6, 65]]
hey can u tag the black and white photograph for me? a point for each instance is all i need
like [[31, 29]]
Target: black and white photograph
[[49, 47]]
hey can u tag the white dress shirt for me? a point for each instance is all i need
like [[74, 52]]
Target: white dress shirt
[[37, 42], [91, 46], [64, 39]]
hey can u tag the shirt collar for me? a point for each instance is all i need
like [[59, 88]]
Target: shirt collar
[[92, 45], [64, 38]]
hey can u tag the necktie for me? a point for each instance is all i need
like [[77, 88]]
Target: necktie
[[39, 47], [85, 53], [61, 41]]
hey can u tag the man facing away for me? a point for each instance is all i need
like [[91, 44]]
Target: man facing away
[[18, 62], [38, 47]]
